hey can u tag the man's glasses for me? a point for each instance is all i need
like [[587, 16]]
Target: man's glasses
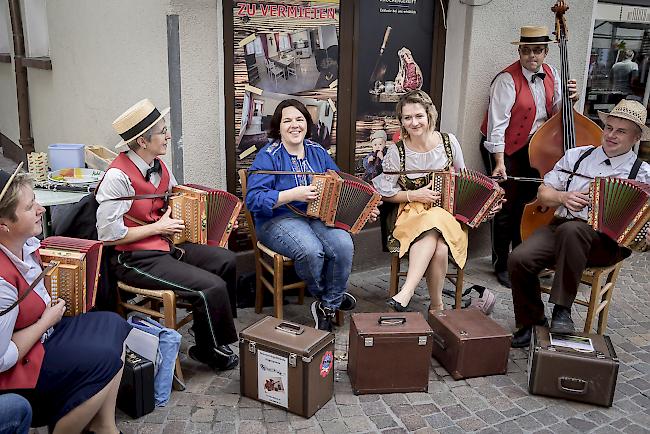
[[527, 50], [163, 132]]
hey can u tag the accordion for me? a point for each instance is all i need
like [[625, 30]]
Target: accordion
[[620, 208], [344, 201], [75, 277], [467, 195], [209, 214]]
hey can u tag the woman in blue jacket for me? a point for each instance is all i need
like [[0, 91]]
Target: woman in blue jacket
[[322, 255]]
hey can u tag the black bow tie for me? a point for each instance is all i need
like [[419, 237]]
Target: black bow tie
[[607, 162], [156, 168], [541, 75]]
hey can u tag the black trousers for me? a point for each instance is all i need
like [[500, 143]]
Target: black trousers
[[205, 276], [505, 227], [568, 246]]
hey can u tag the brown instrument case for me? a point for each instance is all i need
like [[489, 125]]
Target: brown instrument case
[[287, 365], [389, 352], [578, 375], [468, 343]]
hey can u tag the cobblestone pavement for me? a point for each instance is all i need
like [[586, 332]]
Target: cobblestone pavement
[[211, 402]]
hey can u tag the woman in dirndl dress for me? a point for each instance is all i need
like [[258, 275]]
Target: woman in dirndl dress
[[429, 233]]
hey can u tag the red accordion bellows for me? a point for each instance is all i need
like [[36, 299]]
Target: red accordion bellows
[[344, 201], [222, 210], [79, 261], [468, 195], [620, 208]]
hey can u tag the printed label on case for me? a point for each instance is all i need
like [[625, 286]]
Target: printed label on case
[[326, 364]]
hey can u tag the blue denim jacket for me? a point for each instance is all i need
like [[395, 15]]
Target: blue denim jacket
[[263, 190], [169, 341]]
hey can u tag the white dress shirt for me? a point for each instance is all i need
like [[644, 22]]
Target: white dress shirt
[[595, 166], [110, 221], [434, 159], [29, 268], [502, 99]]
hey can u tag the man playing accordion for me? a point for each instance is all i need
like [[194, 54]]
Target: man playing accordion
[[569, 244], [141, 232]]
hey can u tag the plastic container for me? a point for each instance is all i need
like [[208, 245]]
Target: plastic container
[[65, 156]]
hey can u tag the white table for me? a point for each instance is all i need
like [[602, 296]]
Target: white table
[[48, 198]]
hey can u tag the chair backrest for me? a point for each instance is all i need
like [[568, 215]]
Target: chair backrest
[[243, 179]]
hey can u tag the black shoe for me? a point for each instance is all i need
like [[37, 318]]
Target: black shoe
[[397, 306], [503, 278], [323, 316], [521, 338], [561, 322], [221, 358], [348, 302]]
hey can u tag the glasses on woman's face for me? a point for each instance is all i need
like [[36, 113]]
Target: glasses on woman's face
[[527, 50]]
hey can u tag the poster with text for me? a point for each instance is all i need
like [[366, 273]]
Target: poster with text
[[283, 50], [393, 58]]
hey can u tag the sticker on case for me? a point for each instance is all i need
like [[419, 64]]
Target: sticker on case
[[326, 364]]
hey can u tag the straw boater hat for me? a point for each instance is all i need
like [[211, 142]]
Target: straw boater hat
[[533, 35], [136, 121], [6, 179], [632, 111]]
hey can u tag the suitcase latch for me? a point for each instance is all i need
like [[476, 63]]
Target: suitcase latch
[[463, 333], [422, 340], [292, 360], [368, 342], [251, 347], [600, 355]]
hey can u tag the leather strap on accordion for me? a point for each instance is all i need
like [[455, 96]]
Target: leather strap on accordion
[[31, 287]]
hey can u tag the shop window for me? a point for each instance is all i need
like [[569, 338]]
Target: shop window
[[37, 41], [619, 64]]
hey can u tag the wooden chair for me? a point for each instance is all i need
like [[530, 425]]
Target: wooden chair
[[601, 280], [455, 278], [268, 262], [149, 303], [274, 71]]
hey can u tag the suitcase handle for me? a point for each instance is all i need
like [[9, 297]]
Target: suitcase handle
[[562, 384], [288, 327], [439, 340], [391, 320]]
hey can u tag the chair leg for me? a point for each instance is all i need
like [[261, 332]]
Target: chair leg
[[339, 318], [593, 300], [394, 275], [169, 309], [607, 297], [259, 295], [278, 283], [301, 296], [460, 274]]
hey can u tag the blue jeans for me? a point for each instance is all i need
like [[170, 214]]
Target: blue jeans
[[322, 255], [15, 414]]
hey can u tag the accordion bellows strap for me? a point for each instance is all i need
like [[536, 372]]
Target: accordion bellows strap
[[620, 208], [76, 276], [209, 214], [468, 195], [344, 201]]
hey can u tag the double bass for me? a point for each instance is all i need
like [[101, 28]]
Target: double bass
[[565, 130]]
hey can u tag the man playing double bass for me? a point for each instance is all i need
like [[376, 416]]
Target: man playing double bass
[[522, 97], [569, 244]]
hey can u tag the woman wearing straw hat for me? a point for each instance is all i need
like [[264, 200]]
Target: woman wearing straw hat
[[68, 368], [139, 229], [569, 244], [522, 97]]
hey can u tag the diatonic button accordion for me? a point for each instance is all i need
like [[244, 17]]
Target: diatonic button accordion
[[466, 194], [344, 201], [74, 278], [209, 214], [620, 209]]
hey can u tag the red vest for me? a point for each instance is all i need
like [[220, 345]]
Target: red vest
[[523, 112], [24, 374], [146, 210]]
